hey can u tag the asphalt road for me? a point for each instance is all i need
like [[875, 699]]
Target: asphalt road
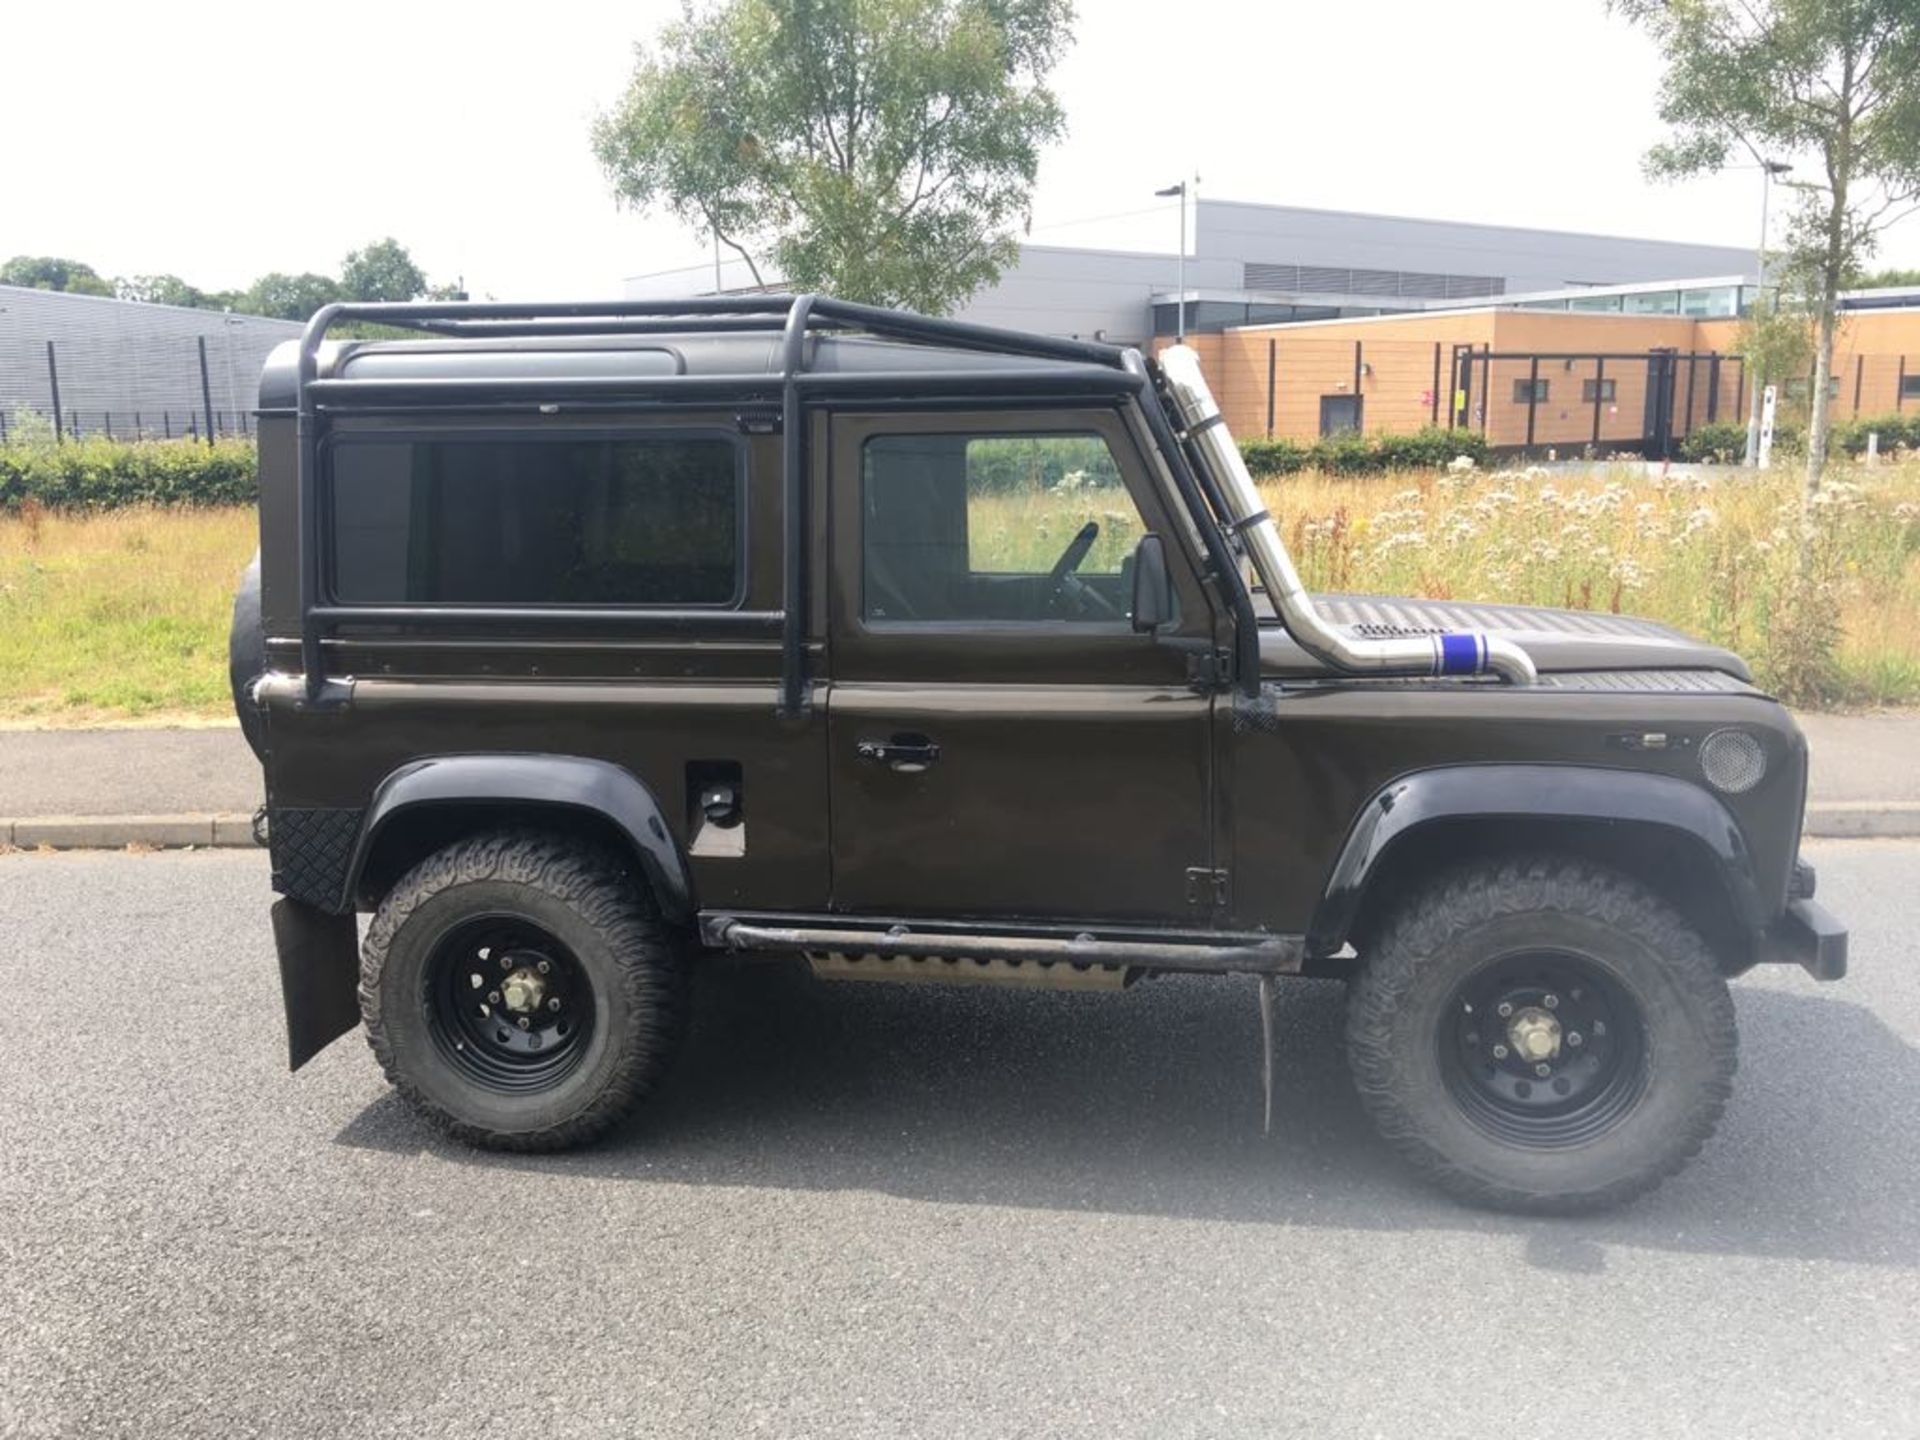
[[891, 1211]]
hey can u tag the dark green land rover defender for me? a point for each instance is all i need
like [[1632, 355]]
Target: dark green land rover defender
[[588, 641]]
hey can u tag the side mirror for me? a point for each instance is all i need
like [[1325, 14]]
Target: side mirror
[[1152, 586]]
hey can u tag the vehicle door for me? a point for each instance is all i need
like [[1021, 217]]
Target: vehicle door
[[1002, 742]]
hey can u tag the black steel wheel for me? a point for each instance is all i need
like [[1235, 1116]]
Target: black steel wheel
[[509, 1004], [1544, 1049], [521, 991], [1543, 1035]]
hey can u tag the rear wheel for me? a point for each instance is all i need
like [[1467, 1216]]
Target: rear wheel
[[521, 991], [1546, 1035]]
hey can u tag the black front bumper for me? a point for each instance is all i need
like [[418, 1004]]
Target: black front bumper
[[1807, 935]]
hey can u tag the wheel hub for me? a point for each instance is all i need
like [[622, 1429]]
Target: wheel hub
[[524, 991], [1534, 1034]]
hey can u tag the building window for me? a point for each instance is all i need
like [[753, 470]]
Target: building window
[[1602, 390], [1530, 392], [1719, 300], [1910, 387], [537, 522]]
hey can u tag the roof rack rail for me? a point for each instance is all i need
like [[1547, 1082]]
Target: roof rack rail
[[793, 317]]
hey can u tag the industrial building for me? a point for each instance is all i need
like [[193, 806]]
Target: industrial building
[[119, 367], [1617, 368], [1253, 264], [1313, 322]]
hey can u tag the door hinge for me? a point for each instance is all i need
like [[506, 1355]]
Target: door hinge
[[1209, 669], [1207, 887]]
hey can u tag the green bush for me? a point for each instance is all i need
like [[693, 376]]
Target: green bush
[[1040, 462], [1724, 442], [101, 474], [1431, 448], [1351, 454], [1895, 432], [1275, 457]]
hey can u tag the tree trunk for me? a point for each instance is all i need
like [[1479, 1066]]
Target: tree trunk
[[1819, 410]]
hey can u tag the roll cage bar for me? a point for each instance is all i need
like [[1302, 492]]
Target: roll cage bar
[[1078, 366]]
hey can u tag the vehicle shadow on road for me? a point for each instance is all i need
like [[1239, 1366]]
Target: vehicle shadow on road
[[1148, 1103]]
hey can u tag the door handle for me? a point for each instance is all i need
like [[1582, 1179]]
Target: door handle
[[903, 754]]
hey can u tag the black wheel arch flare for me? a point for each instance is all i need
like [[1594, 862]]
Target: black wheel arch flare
[[1621, 803], [557, 786]]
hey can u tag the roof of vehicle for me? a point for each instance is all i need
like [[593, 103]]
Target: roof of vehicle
[[694, 347], [751, 357]]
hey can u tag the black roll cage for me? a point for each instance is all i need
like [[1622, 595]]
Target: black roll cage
[[1089, 367]]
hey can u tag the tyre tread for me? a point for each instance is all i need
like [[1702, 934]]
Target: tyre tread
[[650, 967], [1470, 895]]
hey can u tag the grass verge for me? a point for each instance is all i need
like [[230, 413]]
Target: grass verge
[[118, 614]]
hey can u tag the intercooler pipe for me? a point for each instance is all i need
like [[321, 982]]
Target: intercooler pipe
[[1461, 653]]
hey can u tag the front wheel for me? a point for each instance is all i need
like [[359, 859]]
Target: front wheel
[[521, 992], [1547, 1036]]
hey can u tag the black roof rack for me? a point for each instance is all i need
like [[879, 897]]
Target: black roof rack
[[793, 317]]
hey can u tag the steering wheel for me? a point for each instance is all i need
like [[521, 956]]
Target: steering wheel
[[1067, 591]]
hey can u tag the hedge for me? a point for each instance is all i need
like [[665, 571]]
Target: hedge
[[97, 474], [1350, 454], [1895, 431], [100, 474], [1725, 441]]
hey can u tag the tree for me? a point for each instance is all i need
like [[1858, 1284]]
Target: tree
[[49, 272], [289, 297], [1834, 82], [1777, 340], [882, 150], [1884, 279], [384, 271], [160, 290]]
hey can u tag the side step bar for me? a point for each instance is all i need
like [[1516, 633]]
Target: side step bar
[[1146, 950]]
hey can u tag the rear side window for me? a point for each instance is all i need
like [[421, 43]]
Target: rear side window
[[537, 522]]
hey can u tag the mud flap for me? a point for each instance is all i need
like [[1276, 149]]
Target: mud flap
[[319, 976]]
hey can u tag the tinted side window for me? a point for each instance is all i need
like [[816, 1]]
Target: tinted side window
[[530, 522], [975, 527]]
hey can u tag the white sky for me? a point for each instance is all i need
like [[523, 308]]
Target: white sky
[[218, 141]]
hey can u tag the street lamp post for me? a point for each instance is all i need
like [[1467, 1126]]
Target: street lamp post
[[1180, 281], [1768, 169]]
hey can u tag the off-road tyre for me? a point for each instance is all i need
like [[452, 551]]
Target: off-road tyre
[[1405, 1040], [247, 657], [601, 915]]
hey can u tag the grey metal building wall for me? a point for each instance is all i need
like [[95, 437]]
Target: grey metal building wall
[[1061, 291], [119, 359], [1526, 259], [1324, 258]]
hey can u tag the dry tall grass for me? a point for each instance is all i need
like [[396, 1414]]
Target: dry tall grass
[[1717, 555]]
